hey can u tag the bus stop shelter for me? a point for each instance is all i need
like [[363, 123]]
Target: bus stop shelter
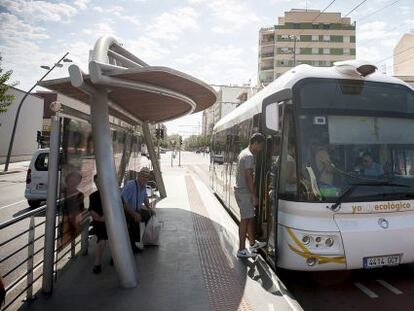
[[120, 84]]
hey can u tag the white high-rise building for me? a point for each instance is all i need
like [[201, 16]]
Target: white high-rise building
[[229, 97], [404, 56]]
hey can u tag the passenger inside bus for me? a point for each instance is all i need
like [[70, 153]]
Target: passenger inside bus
[[369, 167]]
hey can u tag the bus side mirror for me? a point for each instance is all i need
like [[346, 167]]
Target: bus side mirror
[[271, 117], [270, 110]]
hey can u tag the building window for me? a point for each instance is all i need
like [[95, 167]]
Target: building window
[[347, 51], [267, 38], [315, 38], [285, 37], [316, 63], [326, 38], [285, 50], [347, 39], [326, 26], [326, 51], [315, 51]]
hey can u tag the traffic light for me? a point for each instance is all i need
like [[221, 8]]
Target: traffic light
[[162, 133], [158, 133], [181, 140]]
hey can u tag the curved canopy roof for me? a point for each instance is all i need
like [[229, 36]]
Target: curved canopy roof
[[151, 106]]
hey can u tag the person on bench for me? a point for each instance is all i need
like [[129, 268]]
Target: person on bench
[[136, 205]]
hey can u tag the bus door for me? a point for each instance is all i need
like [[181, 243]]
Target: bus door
[[268, 193]]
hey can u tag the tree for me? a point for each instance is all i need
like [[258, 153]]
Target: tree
[[195, 142], [5, 99]]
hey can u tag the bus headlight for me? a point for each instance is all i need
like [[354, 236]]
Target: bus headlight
[[329, 242], [306, 239], [320, 243], [311, 261]]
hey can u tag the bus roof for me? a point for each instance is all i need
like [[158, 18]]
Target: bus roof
[[286, 81]]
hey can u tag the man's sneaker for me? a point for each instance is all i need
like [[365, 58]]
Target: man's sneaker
[[97, 269], [257, 245], [244, 253]]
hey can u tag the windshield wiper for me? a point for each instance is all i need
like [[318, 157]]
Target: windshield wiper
[[337, 205]]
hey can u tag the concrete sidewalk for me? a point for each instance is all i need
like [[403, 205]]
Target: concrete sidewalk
[[194, 268]]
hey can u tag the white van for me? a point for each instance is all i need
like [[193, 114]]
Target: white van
[[36, 178]]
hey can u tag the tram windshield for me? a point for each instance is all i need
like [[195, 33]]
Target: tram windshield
[[338, 150]]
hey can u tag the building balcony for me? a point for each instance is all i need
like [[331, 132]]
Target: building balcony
[[266, 68], [267, 55]]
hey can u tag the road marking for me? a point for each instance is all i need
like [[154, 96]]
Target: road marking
[[390, 287], [12, 204], [366, 290]]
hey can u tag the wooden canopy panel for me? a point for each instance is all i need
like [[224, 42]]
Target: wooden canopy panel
[[145, 105]]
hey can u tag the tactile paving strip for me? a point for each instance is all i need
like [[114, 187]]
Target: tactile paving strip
[[224, 288]]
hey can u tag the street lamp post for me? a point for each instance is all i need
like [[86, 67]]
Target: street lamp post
[[295, 38], [58, 64]]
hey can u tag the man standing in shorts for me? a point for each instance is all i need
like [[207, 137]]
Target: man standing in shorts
[[246, 195]]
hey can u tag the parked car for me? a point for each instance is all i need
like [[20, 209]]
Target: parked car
[[36, 178]]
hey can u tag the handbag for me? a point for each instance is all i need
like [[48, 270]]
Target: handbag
[[152, 231]]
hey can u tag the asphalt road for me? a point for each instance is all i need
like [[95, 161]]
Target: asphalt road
[[13, 204], [12, 201]]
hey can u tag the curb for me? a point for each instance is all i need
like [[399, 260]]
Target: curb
[[11, 172]]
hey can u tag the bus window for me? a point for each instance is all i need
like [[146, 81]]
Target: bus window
[[338, 151]]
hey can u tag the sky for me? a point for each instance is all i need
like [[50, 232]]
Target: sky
[[214, 40]]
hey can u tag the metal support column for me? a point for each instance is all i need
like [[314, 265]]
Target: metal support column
[[30, 260], [110, 194], [154, 160], [53, 180]]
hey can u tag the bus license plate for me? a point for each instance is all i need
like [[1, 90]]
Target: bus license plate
[[381, 261]]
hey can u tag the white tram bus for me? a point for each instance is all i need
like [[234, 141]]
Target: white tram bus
[[336, 179]]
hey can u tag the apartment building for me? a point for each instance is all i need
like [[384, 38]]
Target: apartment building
[[229, 97], [304, 37]]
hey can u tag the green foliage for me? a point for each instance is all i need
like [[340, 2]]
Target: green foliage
[[5, 99], [195, 142], [168, 142], [192, 143]]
